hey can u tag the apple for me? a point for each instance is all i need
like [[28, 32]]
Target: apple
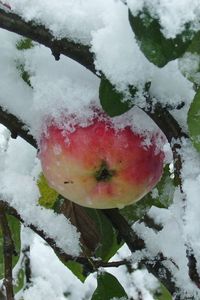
[[98, 165]]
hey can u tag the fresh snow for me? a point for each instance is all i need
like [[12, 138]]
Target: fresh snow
[[64, 87]]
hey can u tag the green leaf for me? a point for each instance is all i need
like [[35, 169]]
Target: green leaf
[[194, 121], [108, 287], [189, 64], [109, 244], [161, 197], [156, 47], [165, 190], [77, 270], [112, 101], [48, 195], [24, 44], [15, 228], [24, 74], [162, 294], [19, 284]]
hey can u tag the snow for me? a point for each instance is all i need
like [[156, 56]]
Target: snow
[[19, 188], [75, 22], [173, 15], [50, 278], [63, 87]]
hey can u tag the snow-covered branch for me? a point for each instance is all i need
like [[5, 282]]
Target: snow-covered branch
[[38, 33], [16, 127]]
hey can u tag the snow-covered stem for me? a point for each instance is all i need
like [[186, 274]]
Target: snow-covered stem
[[155, 266], [90, 265], [193, 269], [8, 252], [27, 264], [40, 34], [16, 127]]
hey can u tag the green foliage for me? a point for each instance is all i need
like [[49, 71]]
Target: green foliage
[[77, 269], [24, 74], [109, 244], [19, 283], [194, 121], [24, 44], [189, 64], [15, 227], [162, 294], [156, 47], [48, 195], [112, 101], [162, 198], [108, 287]]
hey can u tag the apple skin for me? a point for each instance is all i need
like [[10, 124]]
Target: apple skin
[[99, 166]]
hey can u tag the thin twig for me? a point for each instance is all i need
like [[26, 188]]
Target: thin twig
[[8, 251]]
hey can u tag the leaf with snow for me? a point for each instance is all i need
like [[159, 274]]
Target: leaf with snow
[[155, 46], [113, 101], [189, 64], [161, 196], [194, 121]]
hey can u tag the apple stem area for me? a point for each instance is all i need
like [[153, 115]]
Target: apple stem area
[[104, 173]]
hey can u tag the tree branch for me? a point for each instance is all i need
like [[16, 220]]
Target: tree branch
[[38, 33], [16, 127], [90, 264], [156, 267], [8, 252]]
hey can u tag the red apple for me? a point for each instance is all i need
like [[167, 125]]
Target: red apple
[[100, 166]]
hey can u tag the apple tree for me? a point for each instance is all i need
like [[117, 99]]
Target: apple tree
[[99, 149]]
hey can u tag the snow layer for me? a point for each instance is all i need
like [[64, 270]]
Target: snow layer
[[18, 187], [64, 87], [173, 15]]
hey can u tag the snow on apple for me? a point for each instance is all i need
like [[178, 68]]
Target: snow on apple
[[99, 165]]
